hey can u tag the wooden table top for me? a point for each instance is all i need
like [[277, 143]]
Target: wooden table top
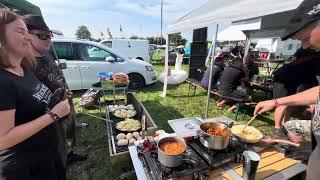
[[271, 163]]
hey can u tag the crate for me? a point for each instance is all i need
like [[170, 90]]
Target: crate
[[119, 156]]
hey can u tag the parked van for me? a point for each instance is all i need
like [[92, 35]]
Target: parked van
[[138, 49], [85, 59]]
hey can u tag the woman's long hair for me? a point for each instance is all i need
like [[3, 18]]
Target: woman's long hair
[[28, 61]]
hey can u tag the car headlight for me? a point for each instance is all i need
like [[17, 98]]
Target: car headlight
[[149, 68]]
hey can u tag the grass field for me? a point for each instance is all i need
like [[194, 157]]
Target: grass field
[[93, 140]]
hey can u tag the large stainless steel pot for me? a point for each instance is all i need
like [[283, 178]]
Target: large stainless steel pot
[[170, 160], [211, 141]]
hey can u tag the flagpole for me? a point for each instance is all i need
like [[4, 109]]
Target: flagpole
[[161, 22]]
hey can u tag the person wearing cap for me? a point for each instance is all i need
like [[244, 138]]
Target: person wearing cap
[[304, 26], [51, 75]]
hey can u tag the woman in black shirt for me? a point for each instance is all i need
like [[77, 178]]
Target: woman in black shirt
[[28, 139]]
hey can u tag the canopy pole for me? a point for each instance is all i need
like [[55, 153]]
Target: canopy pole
[[247, 45], [166, 68], [212, 63]]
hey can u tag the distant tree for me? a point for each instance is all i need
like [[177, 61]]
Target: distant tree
[[176, 39], [156, 40], [134, 37], [83, 32]]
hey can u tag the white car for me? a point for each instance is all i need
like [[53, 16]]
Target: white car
[[84, 59]]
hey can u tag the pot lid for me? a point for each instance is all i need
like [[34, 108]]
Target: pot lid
[[185, 127]]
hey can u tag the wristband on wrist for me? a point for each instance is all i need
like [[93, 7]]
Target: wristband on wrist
[[54, 116], [276, 103]]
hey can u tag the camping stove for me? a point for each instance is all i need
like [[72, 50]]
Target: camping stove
[[217, 158], [192, 168], [198, 162]]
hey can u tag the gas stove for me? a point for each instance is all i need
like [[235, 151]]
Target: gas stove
[[199, 160], [193, 167], [217, 158]]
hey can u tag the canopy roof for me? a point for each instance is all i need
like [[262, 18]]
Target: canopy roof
[[231, 34], [230, 10], [20, 6]]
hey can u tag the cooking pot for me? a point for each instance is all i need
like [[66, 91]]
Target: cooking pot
[[171, 160], [212, 141]]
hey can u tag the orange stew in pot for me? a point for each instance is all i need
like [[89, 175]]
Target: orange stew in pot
[[172, 147], [217, 132]]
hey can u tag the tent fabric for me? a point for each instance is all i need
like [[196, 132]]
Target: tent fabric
[[22, 6], [231, 34], [229, 10]]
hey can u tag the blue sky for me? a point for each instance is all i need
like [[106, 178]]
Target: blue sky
[[137, 17]]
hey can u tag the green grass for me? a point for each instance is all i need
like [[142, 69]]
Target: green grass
[[177, 104]]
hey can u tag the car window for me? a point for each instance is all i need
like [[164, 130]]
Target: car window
[[63, 50], [107, 43], [90, 53]]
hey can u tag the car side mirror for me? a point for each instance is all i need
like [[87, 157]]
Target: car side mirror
[[110, 59], [62, 63]]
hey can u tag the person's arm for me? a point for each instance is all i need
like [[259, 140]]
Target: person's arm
[[11, 135], [304, 98]]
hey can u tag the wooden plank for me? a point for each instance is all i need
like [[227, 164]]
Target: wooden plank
[[276, 167], [224, 176], [268, 160], [272, 168], [263, 154]]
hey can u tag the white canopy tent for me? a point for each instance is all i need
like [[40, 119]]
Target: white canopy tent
[[214, 12], [231, 34]]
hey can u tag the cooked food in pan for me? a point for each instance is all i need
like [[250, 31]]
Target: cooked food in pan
[[128, 125], [217, 132], [172, 148], [249, 133]]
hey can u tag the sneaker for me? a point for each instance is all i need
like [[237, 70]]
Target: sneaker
[[278, 133]]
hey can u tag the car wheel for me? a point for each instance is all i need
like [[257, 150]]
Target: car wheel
[[140, 58], [136, 81]]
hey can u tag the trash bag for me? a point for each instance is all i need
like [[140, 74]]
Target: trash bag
[[90, 98]]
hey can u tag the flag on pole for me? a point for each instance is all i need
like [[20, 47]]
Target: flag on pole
[[101, 35], [109, 33], [120, 28]]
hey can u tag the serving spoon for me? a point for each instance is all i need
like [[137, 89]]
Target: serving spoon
[[254, 117]]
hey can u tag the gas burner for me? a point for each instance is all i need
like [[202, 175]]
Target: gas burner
[[193, 165], [216, 158]]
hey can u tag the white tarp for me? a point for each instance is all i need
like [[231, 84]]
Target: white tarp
[[215, 11], [231, 34]]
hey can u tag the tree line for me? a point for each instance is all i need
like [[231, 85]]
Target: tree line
[[175, 39]]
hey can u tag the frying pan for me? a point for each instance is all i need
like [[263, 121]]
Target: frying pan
[[260, 137]]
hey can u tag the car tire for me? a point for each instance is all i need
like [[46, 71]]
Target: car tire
[[136, 81], [140, 58]]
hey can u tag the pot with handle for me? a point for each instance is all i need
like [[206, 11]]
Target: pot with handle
[[213, 141], [171, 160]]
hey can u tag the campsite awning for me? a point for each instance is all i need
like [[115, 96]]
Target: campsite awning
[[229, 10], [20, 7], [231, 34]]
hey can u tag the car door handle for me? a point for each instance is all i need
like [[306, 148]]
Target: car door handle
[[85, 67], [72, 67]]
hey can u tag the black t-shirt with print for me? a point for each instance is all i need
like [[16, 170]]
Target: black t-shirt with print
[[49, 73], [230, 79], [30, 98]]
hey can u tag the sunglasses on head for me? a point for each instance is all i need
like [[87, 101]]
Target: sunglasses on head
[[42, 36]]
